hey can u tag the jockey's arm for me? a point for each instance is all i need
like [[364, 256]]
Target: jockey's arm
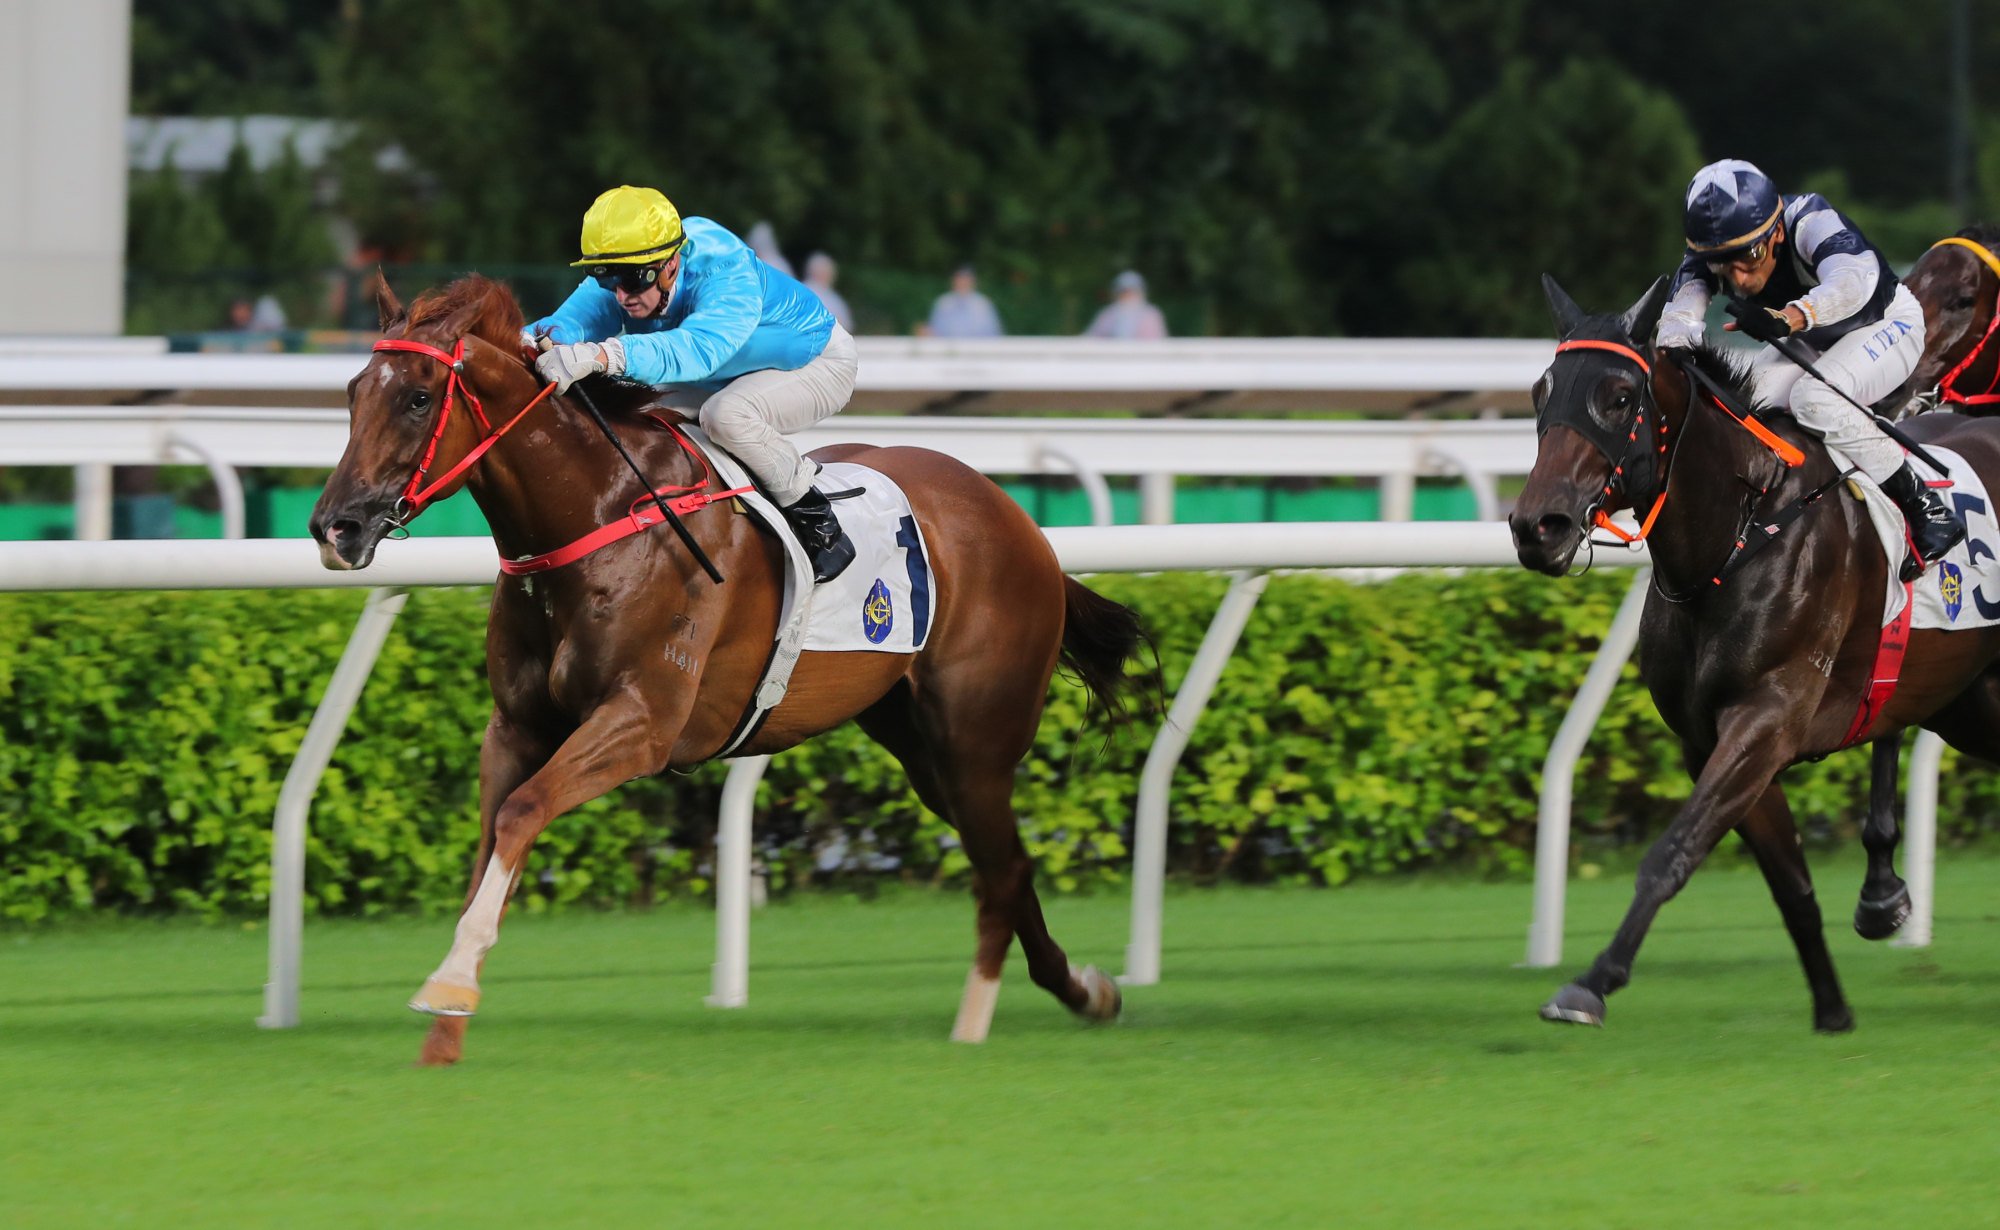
[[1685, 320], [728, 307], [1847, 269], [590, 314]]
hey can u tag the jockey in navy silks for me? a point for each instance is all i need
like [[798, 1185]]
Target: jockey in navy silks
[[1817, 280], [687, 305]]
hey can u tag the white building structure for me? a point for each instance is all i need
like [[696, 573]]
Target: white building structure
[[65, 77]]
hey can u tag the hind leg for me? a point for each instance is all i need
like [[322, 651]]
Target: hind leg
[[1771, 835], [1884, 904], [972, 788]]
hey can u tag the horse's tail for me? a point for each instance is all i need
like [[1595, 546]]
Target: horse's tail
[[1099, 637]]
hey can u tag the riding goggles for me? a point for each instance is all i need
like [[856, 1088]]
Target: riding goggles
[[632, 279], [1748, 258]]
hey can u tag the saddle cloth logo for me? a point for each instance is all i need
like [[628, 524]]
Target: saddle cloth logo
[[878, 613], [1951, 588]]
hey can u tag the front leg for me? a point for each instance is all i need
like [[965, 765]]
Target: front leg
[[510, 754], [620, 741], [1753, 746]]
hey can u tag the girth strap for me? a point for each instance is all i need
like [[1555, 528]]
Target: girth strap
[[1888, 668]]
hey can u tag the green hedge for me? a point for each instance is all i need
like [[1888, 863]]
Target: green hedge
[[1359, 729]]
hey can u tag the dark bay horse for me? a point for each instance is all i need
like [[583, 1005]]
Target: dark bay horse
[[630, 661], [1766, 668]]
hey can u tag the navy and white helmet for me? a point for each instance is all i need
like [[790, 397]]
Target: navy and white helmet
[[1730, 206]]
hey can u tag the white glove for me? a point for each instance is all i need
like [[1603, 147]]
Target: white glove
[[1677, 332], [536, 341], [565, 365]]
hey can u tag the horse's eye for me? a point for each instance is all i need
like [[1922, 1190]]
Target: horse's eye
[[420, 399], [1622, 402], [1962, 304]]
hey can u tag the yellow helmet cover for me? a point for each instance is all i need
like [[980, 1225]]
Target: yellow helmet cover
[[630, 226]]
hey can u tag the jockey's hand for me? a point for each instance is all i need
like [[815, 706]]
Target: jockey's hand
[[1674, 334], [1764, 324], [565, 365]]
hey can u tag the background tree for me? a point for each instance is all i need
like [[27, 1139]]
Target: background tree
[[1273, 166]]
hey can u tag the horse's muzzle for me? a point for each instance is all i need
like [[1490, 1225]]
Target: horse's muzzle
[[346, 540], [1546, 542]]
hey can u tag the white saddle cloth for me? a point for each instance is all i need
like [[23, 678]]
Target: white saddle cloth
[[1962, 590], [883, 601]]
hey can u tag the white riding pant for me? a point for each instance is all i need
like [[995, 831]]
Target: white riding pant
[[1868, 365], [752, 415]]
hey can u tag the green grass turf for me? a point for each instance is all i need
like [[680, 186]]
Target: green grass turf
[[1360, 1057]]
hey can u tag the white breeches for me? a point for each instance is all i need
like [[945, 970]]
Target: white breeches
[[1868, 364], [754, 413]]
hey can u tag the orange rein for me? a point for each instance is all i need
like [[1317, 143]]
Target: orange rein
[[1785, 451]]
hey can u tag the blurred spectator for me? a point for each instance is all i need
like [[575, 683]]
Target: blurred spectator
[[268, 316], [1128, 314], [962, 311], [820, 272], [764, 242], [263, 315]]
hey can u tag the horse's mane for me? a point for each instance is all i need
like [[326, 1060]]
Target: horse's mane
[[1728, 368], [498, 320], [498, 314]]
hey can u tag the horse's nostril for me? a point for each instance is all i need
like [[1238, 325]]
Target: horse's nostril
[[1554, 528], [337, 530]]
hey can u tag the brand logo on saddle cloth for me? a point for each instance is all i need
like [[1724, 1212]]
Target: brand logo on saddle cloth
[[1951, 589], [878, 613]]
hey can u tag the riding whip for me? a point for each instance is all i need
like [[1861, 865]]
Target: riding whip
[[673, 518], [1784, 347]]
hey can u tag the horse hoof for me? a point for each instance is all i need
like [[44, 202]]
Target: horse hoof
[[1102, 1001], [1575, 1005], [1838, 1021], [1878, 920], [443, 999]]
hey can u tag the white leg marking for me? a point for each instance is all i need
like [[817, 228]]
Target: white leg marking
[[478, 930], [975, 1011]]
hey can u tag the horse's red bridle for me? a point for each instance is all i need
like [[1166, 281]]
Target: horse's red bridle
[[416, 496], [1945, 391]]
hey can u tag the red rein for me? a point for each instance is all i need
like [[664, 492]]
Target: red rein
[[1944, 385], [642, 515], [416, 496]]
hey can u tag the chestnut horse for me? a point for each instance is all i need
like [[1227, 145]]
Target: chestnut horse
[[630, 661], [1767, 667]]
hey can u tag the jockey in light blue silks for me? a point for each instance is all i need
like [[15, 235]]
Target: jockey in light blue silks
[[690, 307], [1815, 278]]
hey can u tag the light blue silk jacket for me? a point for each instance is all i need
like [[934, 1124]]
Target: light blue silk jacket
[[730, 314]]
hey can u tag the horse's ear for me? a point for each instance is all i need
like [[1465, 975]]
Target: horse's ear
[[1565, 308], [386, 303], [1645, 315]]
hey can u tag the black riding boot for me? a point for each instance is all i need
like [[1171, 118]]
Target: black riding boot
[[1934, 527], [813, 521]]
